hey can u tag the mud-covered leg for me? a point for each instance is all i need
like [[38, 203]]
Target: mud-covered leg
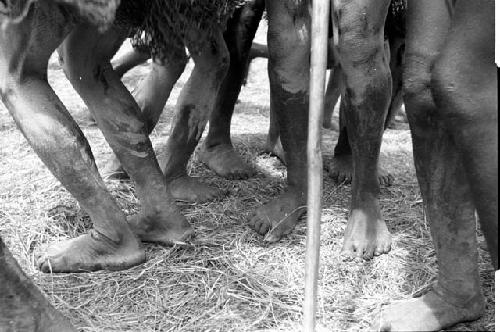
[[367, 95], [468, 99], [151, 95], [195, 103], [86, 55], [442, 174], [22, 306], [341, 167], [217, 151], [289, 43], [25, 48]]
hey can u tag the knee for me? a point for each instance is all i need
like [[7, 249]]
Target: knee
[[462, 94], [416, 83], [289, 51], [213, 59], [77, 66]]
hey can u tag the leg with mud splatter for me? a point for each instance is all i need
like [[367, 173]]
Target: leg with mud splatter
[[195, 103], [452, 107], [25, 48], [151, 95], [217, 151], [341, 167], [86, 54], [289, 49], [367, 79]]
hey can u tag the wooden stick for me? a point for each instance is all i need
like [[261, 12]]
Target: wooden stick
[[319, 44]]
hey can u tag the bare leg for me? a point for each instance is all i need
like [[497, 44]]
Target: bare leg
[[195, 103], [341, 167], [59, 142], [217, 151], [288, 42], [397, 46], [447, 177], [151, 95], [22, 306], [129, 60], [86, 55], [367, 95], [273, 142]]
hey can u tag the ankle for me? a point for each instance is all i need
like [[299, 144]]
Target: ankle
[[472, 300]]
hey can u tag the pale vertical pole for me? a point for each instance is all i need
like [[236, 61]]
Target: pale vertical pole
[[319, 46]]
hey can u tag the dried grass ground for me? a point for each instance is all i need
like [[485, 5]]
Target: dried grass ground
[[228, 280]]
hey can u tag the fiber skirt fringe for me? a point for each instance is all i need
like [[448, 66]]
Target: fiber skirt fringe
[[166, 23]]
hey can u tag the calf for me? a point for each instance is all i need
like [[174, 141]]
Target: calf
[[450, 92], [26, 43]]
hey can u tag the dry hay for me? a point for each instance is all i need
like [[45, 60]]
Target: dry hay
[[228, 280]]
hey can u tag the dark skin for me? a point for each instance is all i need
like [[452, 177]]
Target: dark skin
[[367, 97], [217, 151], [341, 167], [25, 48], [195, 103], [23, 307], [450, 90]]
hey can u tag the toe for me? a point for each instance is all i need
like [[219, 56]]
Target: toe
[[390, 180], [347, 252], [262, 227], [272, 237], [368, 253], [386, 248]]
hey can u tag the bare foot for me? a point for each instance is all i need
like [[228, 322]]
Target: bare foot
[[279, 217], [91, 252], [366, 236], [114, 170], [275, 149], [225, 162], [340, 170], [430, 312], [170, 229], [190, 189]]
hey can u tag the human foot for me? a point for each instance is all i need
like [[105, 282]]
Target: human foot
[[91, 252], [113, 170], [430, 312], [341, 171], [366, 235], [164, 228], [190, 189], [278, 217], [225, 162]]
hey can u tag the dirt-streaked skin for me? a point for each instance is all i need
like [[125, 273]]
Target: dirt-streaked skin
[[367, 81], [25, 48], [204, 97], [22, 306], [217, 151], [450, 90]]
